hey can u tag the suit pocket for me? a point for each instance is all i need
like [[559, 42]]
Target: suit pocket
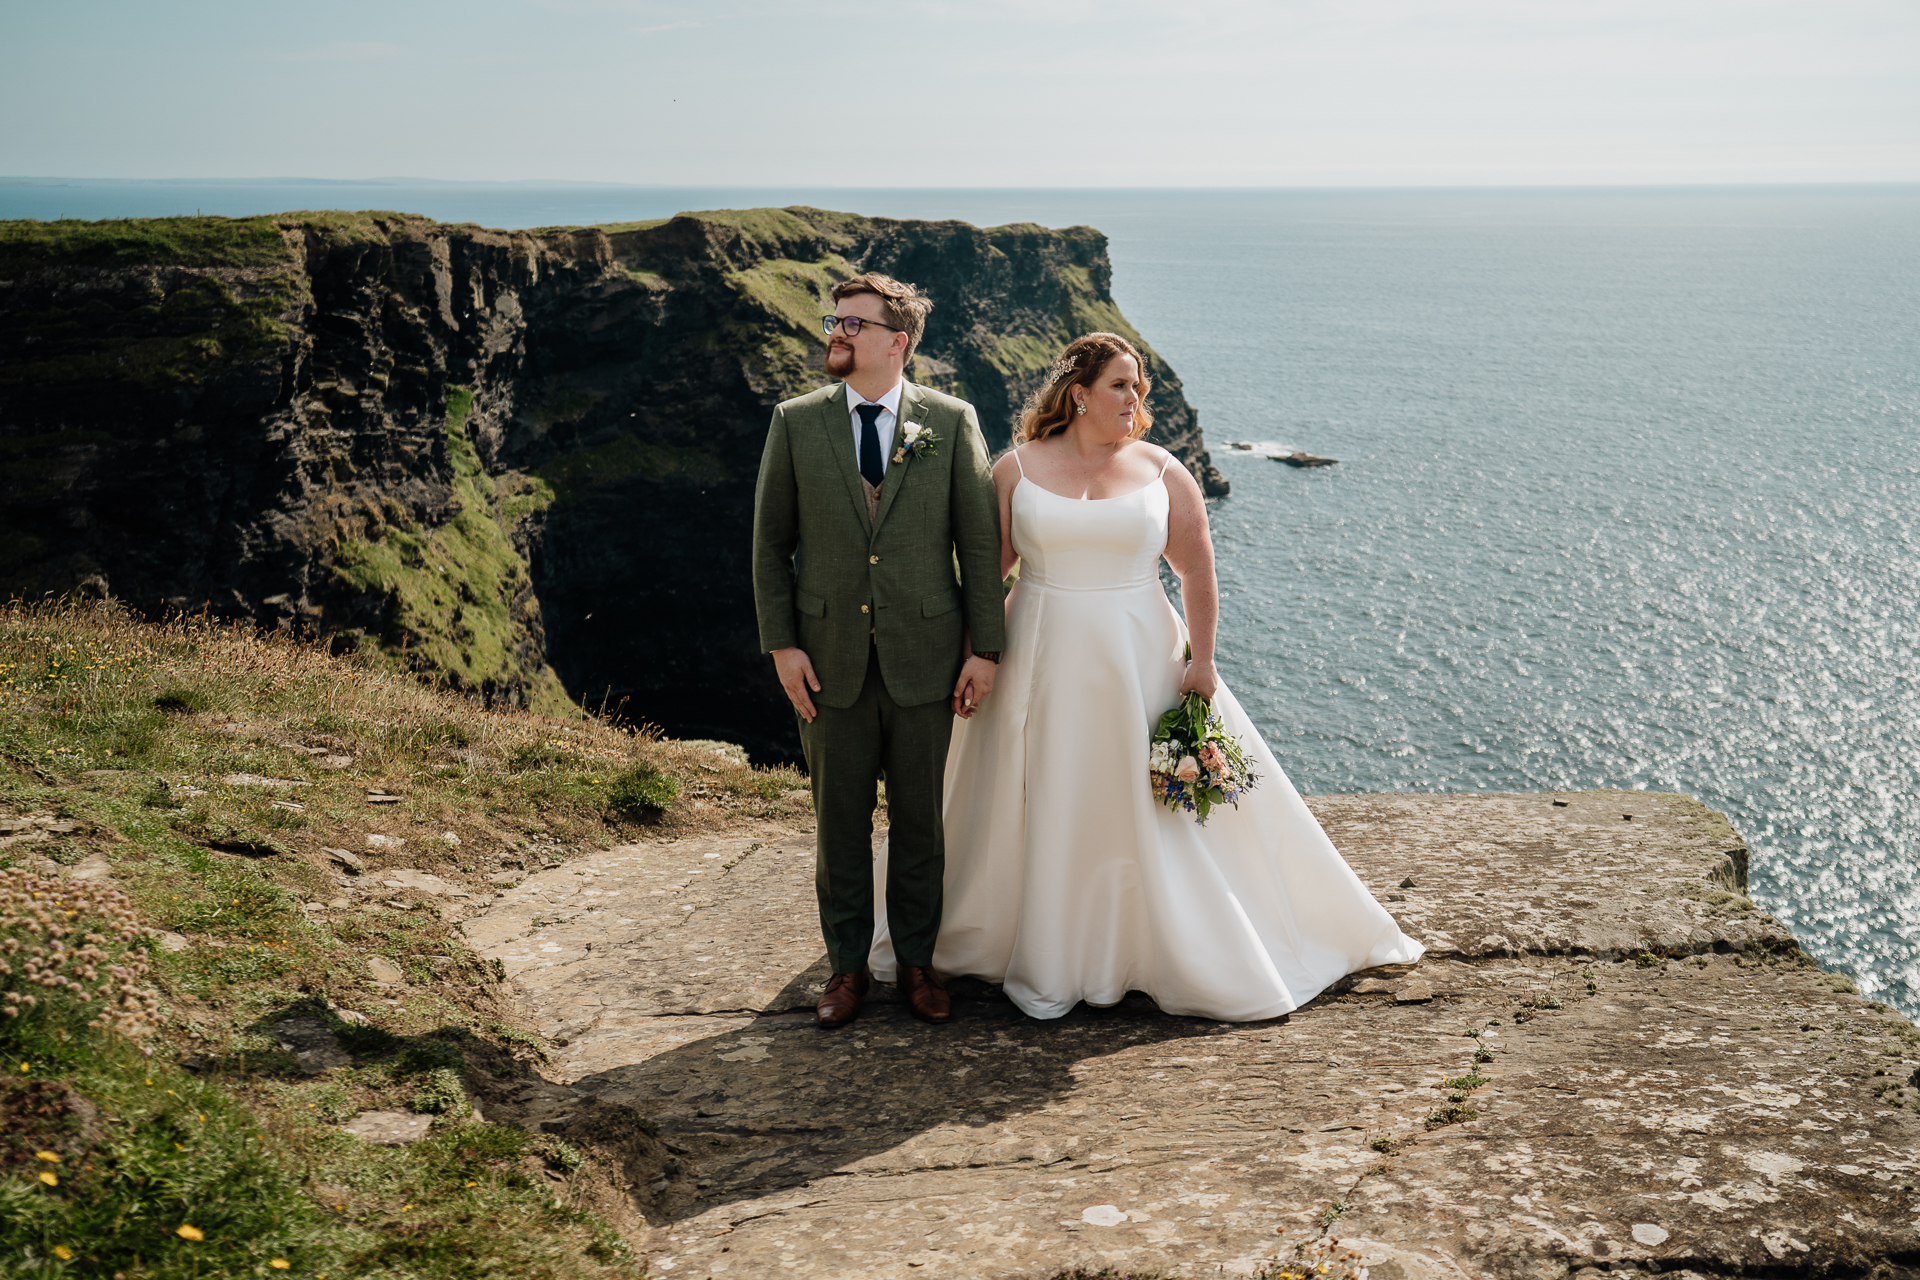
[[935, 605], [812, 605]]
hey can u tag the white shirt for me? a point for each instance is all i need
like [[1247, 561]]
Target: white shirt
[[883, 425]]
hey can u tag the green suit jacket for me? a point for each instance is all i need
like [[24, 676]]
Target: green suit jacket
[[823, 581]]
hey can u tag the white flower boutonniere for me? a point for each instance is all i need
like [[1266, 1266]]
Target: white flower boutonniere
[[918, 438]]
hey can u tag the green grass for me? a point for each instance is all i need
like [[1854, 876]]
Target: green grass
[[112, 726], [119, 242], [459, 598], [164, 1174], [642, 792]]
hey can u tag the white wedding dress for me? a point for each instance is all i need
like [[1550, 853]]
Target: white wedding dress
[[1065, 880]]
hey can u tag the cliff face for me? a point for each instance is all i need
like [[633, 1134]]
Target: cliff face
[[521, 460]]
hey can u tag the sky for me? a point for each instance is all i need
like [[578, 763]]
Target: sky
[[945, 93]]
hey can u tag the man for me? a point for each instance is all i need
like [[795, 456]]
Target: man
[[871, 491]]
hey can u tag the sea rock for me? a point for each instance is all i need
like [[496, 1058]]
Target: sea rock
[[1303, 459]]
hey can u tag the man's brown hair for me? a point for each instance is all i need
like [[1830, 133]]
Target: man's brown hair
[[905, 306]]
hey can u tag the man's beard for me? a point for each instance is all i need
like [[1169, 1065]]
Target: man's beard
[[840, 361]]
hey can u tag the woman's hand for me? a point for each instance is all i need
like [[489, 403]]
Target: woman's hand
[[1201, 679]]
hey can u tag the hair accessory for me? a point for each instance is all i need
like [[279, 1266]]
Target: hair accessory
[[1062, 367]]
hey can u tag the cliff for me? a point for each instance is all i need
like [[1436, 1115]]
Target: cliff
[[1610, 1062], [521, 461]]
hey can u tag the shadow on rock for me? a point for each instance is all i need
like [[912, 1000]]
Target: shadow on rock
[[773, 1102]]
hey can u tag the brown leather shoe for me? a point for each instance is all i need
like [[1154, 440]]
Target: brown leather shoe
[[926, 993], [840, 1002]]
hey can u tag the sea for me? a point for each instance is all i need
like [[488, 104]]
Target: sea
[[1627, 490]]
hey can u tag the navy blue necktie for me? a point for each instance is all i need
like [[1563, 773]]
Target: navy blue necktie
[[870, 466]]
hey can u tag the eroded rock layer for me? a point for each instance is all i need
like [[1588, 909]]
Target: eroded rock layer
[[522, 460]]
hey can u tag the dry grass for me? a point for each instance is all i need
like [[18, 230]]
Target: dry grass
[[208, 770]]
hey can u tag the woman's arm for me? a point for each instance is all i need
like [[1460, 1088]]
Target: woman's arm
[[1190, 552], [1006, 474]]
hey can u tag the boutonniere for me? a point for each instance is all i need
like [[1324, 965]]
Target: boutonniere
[[917, 439]]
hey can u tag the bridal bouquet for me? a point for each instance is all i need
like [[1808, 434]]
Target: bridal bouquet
[[1194, 763]]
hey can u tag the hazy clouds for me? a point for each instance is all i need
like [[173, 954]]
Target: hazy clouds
[[1036, 93]]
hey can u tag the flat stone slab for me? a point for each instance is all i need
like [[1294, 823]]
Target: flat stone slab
[[1604, 873], [422, 882], [389, 1128], [1726, 1107]]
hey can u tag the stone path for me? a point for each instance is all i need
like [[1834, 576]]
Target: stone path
[[1721, 1108]]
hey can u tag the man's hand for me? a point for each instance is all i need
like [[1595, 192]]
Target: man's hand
[[796, 677], [976, 682]]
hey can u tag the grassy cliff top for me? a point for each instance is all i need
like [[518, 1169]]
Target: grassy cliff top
[[296, 831], [260, 241]]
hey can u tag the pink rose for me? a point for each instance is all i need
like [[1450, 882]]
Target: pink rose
[[1187, 770]]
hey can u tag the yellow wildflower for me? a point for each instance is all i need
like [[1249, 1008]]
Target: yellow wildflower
[[63, 1253], [49, 1177], [186, 1232], [49, 1156], [279, 1264]]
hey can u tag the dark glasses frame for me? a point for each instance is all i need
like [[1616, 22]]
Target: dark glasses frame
[[852, 325]]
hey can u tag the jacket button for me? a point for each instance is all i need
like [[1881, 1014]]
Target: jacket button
[[873, 559], [865, 609]]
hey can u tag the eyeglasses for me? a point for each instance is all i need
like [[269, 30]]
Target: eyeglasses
[[851, 324]]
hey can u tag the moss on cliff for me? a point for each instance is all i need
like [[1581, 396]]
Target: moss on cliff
[[458, 595]]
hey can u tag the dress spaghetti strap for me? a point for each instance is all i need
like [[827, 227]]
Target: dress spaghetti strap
[[1163, 466], [1017, 462]]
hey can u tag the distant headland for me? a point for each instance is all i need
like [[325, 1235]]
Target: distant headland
[[521, 461]]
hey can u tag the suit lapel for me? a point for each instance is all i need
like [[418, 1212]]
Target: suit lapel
[[836, 421], [912, 410]]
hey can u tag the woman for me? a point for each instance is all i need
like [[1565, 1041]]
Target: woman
[[1065, 879]]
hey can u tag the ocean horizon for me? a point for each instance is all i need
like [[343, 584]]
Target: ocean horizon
[[1626, 493]]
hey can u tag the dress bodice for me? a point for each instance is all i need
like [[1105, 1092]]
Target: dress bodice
[[1089, 544]]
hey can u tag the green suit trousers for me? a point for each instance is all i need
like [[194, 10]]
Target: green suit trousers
[[847, 748]]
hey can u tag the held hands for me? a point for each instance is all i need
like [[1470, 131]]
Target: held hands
[[796, 677], [1201, 678], [976, 682]]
